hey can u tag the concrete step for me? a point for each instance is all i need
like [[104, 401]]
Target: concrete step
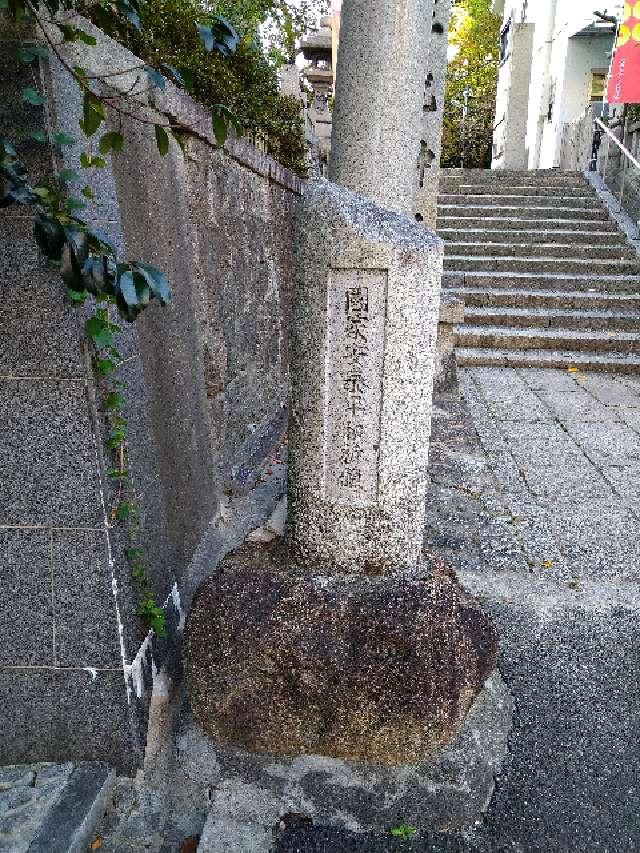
[[629, 284], [519, 221], [587, 266], [608, 362], [551, 299], [511, 177], [516, 211], [509, 199], [554, 339], [533, 236], [531, 190], [595, 250], [53, 808], [546, 318]]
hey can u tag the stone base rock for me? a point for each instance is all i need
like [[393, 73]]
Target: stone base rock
[[448, 792], [375, 670]]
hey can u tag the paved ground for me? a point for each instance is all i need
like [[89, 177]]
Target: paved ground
[[532, 500]]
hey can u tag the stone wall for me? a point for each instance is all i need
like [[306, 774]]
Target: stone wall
[[204, 380], [576, 143]]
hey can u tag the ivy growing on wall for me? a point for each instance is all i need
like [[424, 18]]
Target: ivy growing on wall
[[87, 262], [247, 82]]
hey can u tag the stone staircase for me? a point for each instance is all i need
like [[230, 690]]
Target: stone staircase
[[547, 277]]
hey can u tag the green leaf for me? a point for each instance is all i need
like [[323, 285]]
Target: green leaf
[[104, 366], [155, 77], [70, 33], [162, 140], [128, 288], [30, 96], [130, 10], [156, 280], [117, 474], [123, 511], [93, 113], [180, 138], [77, 296], [87, 192], [178, 76], [7, 148], [220, 128], [69, 176], [61, 139], [24, 55], [39, 136], [72, 204], [113, 400], [403, 831], [86, 38], [97, 329], [112, 141], [206, 36]]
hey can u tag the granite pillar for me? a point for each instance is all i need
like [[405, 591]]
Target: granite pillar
[[432, 115], [365, 312], [379, 94], [343, 642]]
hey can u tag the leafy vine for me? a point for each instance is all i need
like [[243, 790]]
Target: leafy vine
[[86, 260]]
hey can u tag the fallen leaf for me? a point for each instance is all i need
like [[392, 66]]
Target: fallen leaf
[[190, 845], [547, 564], [572, 369], [96, 844]]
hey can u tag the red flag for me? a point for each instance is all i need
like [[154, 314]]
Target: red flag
[[624, 78]]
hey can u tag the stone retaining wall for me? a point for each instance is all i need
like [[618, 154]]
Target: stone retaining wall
[[205, 382]]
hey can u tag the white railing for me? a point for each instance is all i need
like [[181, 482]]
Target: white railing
[[599, 162]]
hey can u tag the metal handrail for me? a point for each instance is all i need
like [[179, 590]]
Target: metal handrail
[[628, 156], [622, 147]]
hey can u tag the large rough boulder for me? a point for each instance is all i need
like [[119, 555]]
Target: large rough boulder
[[379, 670]]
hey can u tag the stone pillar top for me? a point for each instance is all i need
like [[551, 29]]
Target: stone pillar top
[[379, 93]]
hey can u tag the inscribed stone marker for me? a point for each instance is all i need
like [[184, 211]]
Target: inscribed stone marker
[[354, 359]]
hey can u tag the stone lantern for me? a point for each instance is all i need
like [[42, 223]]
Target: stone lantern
[[317, 49]]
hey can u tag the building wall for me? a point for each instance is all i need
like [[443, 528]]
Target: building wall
[[560, 73], [509, 141], [204, 383]]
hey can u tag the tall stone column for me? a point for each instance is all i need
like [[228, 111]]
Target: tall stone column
[[342, 644], [379, 96], [432, 114], [365, 309]]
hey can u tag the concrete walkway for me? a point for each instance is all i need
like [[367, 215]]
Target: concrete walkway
[[565, 450], [533, 502]]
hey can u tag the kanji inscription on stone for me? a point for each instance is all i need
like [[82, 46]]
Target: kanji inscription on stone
[[354, 361]]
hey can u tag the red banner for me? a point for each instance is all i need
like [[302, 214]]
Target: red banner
[[624, 78]]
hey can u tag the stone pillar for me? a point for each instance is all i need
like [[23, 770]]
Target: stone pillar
[[379, 93], [363, 332], [365, 311], [432, 114], [338, 644]]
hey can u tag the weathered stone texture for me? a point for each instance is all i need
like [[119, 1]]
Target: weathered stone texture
[[379, 671], [243, 234], [203, 397], [433, 114], [376, 120], [373, 522]]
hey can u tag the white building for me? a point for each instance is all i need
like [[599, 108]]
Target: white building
[[555, 56]]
